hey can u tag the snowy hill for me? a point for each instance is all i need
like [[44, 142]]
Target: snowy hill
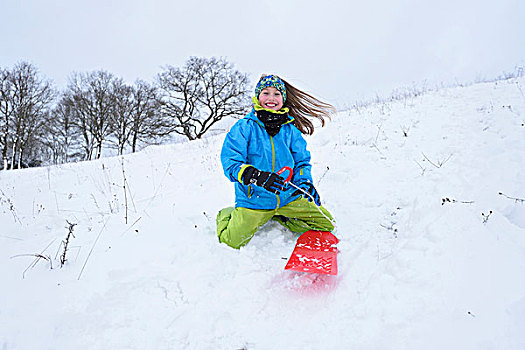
[[432, 256]]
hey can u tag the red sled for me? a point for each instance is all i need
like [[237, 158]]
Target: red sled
[[315, 252]]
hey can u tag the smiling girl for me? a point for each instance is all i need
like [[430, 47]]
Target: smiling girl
[[266, 140]]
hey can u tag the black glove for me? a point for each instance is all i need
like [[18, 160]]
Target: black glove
[[309, 192], [269, 181]]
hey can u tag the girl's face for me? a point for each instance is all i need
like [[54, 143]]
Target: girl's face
[[271, 98]]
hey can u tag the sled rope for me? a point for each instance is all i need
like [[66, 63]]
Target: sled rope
[[287, 181], [313, 201]]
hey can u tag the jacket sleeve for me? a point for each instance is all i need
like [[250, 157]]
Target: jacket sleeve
[[234, 151], [302, 169]]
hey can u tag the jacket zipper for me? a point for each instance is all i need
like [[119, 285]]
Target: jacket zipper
[[273, 170]]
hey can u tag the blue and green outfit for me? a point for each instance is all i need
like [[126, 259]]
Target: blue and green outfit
[[248, 143]]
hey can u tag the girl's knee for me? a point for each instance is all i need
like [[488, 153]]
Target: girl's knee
[[236, 227], [234, 241]]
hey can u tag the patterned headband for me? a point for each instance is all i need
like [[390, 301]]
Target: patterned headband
[[271, 81]]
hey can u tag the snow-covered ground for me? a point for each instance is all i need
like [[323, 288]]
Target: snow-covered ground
[[432, 256]]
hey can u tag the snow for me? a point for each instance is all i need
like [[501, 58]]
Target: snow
[[432, 256]]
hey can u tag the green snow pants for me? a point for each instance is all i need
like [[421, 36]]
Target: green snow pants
[[237, 226]]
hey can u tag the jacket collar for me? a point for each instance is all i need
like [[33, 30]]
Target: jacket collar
[[253, 116]]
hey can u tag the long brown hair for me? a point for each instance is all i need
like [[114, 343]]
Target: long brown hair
[[304, 106]]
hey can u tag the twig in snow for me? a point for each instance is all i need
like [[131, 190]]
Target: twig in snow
[[405, 130], [207, 216], [521, 200], [133, 224], [486, 216], [378, 132], [449, 200], [91, 251], [11, 207], [422, 169], [157, 190], [391, 228], [439, 163], [374, 145], [56, 203], [322, 176], [125, 192], [377, 148], [38, 257], [66, 243], [14, 238]]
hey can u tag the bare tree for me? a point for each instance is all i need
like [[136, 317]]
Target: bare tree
[[63, 139], [146, 117], [25, 99], [99, 109], [135, 116], [121, 115], [200, 94], [6, 111], [91, 99]]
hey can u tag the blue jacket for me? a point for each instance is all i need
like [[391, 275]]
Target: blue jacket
[[248, 143]]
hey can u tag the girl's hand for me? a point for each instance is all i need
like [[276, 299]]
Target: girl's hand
[[267, 180], [308, 191]]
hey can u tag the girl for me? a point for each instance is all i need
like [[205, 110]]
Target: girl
[[259, 145]]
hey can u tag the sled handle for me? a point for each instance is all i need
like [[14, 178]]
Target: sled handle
[[286, 168]]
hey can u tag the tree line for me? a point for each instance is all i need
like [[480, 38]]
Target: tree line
[[97, 111]]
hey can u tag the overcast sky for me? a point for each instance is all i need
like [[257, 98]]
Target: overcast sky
[[341, 51]]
